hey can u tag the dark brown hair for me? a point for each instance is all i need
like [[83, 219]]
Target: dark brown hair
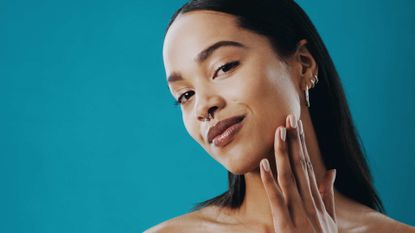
[[284, 23]]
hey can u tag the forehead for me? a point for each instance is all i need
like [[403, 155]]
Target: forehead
[[194, 31]]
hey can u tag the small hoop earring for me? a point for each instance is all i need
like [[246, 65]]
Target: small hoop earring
[[314, 81], [313, 84], [316, 78]]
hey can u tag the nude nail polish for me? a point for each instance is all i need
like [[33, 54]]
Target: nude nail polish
[[283, 133], [300, 126], [265, 165], [293, 121]]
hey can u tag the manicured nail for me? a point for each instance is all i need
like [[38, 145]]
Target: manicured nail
[[300, 126], [283, 133], [265, 165], [293, 122]]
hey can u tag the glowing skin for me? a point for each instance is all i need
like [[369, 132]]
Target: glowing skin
[[265, 89], [260, 87]]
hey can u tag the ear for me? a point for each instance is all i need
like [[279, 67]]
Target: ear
[[306, 64]]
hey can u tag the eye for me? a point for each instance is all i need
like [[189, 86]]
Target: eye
[[184, 96], [226, 68]]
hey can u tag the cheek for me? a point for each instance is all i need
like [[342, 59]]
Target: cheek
[[267, 92], [268, 103], [271, 102]]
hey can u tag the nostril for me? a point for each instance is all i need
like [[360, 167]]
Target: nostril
[[209, 114], [211, 111]]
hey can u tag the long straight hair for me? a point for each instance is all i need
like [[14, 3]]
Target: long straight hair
[[284, 23]]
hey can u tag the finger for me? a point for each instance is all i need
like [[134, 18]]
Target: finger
[[299, 164], [275, 197], [327, 190], [317, 199], [286, 179]]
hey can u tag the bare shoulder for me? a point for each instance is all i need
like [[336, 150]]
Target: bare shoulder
[[197, 221], [378, 222], [183, 223], [358, 218]]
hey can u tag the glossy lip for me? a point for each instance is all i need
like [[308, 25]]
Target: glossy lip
[[221, 126], [226, 137]]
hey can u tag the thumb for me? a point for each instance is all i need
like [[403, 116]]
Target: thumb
[[326, 189]]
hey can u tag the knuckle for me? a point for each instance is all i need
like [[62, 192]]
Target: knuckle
[[285, 176], [304, 163], [297, 163], [302, 137], [281, 150], [288, 179], [268, 179], [300, 163], [274, 197], [309, 165]]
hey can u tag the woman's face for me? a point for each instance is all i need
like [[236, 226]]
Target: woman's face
[[242, 76]]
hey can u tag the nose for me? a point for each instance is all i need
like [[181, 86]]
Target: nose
[[206, 107]]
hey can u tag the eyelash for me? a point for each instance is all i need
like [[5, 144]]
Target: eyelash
[[229, 65]]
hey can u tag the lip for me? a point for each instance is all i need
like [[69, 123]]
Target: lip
[[230, 125]]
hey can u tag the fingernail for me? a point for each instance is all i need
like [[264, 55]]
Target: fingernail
[[293, 122], [283, 133], [265, 165], [300, 126], [334, 176]]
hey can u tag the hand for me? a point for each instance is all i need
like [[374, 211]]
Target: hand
[[296, 202]]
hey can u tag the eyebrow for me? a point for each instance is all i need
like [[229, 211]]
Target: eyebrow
[[205, 54]]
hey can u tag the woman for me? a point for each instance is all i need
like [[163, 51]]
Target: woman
[[241, 72]]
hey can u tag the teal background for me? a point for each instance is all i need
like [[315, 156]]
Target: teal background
[[91, 142]]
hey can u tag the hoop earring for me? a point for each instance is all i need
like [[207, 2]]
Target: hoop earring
[[313, 84], [316, 78]]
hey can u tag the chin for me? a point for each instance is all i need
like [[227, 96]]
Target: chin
[[243, 154], [239, 162]]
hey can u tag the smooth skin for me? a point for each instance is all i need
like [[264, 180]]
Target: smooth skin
[[298, 195]]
